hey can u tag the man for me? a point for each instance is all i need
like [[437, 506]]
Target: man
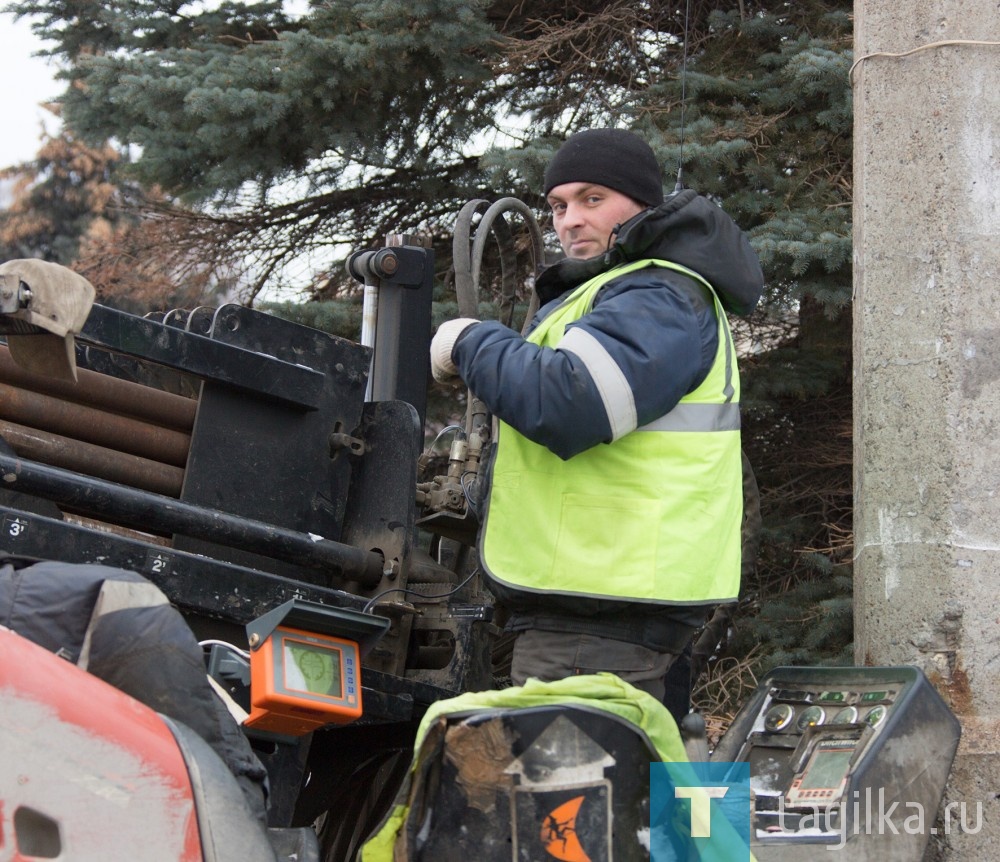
[[612, 524]]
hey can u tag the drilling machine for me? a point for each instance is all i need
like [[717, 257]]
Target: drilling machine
[[268, 479], [245, 465]]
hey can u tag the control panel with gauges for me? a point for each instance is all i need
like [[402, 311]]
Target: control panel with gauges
[[832, 750]]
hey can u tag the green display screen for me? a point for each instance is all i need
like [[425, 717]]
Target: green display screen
[[827, 769], [312, 668]]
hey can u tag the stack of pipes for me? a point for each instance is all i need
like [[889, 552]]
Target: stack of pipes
[[100, 426]]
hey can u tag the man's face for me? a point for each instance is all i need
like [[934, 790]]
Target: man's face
[[584, 214]]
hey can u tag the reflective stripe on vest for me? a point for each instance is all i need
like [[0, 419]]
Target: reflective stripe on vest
[[653, 515]]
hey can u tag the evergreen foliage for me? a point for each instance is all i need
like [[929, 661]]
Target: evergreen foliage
[[69, 205], [297, 138], [58, 200], [340, 317]]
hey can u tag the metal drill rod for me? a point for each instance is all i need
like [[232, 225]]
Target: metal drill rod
[[155, 513], [91, 460], [80, 422], [106, 393]]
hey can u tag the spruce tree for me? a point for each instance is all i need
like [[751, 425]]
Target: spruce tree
[[58, 199], [768, 133], [69, 205]]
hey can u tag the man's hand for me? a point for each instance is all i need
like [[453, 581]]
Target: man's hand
[[442, 366]]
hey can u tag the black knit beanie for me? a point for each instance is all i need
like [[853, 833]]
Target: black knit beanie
[[615, 158]]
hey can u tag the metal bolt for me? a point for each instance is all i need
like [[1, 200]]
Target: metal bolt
[[385, 262], [390, 569]]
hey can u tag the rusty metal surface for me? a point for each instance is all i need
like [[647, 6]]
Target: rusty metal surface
[[105, 393], [81, 422], [90, 460]]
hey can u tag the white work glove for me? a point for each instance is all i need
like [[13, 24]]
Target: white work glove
[[442, 366]]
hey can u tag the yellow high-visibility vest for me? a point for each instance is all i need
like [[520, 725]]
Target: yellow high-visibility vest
[[653, 516]]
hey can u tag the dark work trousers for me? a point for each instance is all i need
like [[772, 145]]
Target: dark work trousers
[[548, 656]]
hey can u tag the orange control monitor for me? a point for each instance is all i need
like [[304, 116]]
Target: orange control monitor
[[305, 667]]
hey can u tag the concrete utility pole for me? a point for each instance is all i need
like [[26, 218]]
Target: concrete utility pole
[[927, 373]]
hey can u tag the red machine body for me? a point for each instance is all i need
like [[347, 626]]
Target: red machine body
[[86, 772]]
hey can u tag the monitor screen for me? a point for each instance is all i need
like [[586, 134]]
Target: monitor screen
[[827, 769], [312, 667]]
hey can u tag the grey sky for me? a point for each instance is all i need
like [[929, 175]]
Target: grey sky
[[24, 82]]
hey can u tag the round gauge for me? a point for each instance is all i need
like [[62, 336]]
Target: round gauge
[[848, 715], [875, 716], [811, 717], [778, 717]]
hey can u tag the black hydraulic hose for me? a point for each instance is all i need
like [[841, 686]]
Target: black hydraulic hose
[[466, 290], [143, 510], [492, 219], [467, 253]]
